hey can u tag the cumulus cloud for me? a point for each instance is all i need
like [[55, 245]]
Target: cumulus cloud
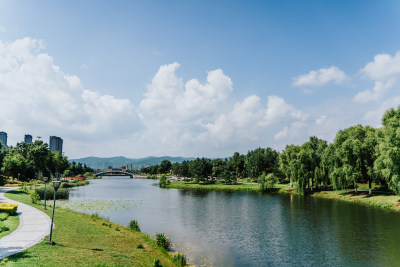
[[320, 77], [202, 116], [377, 91], [37, 97], [383, 67]]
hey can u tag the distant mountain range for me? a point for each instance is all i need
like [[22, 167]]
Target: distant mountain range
[[116, 162]]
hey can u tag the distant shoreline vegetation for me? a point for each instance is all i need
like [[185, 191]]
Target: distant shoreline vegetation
[[359, 155]]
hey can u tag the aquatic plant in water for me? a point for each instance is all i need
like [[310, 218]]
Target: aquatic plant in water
[[92, 206]]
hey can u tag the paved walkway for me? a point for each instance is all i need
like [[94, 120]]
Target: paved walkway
[[34, 226]]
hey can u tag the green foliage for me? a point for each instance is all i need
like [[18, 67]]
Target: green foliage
[[387, 163], [163, 241], [74, 184], [261, 160], [164, 181], [35, 198], [134, 226], [157, 262], [165, 166], [140, 246], [267, 182], [4, 216], [62, 193], [180, 259], [3, 228]]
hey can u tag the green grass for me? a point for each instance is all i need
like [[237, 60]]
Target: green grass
[[12, 223], [247, 187], [84, 240], [391, 202]]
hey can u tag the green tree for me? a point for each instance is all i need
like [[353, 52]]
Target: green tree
[[261, 160], [165, 166], [14, 164], [355, 148], [387, 163]]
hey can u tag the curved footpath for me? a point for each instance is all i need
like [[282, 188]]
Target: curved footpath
[[34, 226]]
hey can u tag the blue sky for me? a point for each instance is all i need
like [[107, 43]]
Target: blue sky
[[110, 83]]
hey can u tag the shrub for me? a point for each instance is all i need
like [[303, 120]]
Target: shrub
[[133, 225], [73, 184], [4, 216], [157, 262], [180, 259], [267, 182], [140, 246], [62, 193], [8, 208], [3, 228], [164, 181], [35, 198], [163, 241]]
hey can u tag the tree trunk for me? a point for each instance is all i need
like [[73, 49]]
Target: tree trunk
[[291, 181], [370, 185]]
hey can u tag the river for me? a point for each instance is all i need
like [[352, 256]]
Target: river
[[248, 229]]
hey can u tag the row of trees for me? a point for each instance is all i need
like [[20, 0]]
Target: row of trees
[[28, 161], [358, 154]]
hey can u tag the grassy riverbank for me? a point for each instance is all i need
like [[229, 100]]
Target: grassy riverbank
[[84, 240], [385, 201], [12, 223]]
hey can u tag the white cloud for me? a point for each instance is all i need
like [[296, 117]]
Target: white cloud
[[37, 97], [320, 77], [383, 67], [201, 117], [370, 95]]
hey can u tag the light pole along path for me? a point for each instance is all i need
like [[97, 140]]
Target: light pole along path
[[34, 226]]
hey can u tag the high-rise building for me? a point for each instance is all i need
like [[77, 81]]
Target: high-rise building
[[56, 144], [28, 138], [3, 138]]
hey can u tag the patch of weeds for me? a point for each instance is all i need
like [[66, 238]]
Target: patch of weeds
[[157, 262], [134, 226], [140, 246], [163, 241], [180, 258]]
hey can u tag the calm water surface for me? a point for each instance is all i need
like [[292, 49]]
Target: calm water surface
[[246, 229]]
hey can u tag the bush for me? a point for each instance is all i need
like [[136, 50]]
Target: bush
[[164, 181], [3, 228], [62, 193], [4, 216], [73, 184], [151, 176], [163, 241], [180, 259], [267, 182], [140, 246], [11, 209], [157, 262], [35, 198], [133, 225]]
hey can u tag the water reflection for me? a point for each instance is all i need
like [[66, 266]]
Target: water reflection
[[244, 229]]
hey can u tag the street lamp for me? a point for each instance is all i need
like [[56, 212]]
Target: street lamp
[[45, 180], [56, 185]]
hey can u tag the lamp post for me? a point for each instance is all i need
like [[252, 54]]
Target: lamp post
[[45, 180], [56, 185]]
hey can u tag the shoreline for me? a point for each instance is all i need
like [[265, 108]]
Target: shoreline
[[83, 239], [383, 201]]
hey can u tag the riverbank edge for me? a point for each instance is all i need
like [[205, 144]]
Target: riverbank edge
[[388, 202], [80, 219]]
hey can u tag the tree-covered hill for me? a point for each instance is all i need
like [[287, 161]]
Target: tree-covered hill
[[116, 162]]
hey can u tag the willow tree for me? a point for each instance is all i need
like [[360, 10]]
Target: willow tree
[[287, 162], [355, 148], [387, 163]]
